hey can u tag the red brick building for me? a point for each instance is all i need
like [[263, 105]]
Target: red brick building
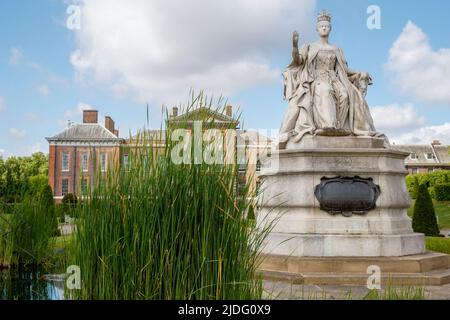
[[79, 151]]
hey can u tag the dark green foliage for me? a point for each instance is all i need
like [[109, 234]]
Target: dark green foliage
[[430, 179], [442, 192], [68, 206], [424, 217], [37, 183], [46, 198], [70, 199]]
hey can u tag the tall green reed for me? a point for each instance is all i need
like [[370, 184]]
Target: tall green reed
[[25, 234], [161, 230]]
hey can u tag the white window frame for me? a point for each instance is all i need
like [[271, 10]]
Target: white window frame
[[103, 162], [432, 156], [413, 157], [85, 162], [63, 167]]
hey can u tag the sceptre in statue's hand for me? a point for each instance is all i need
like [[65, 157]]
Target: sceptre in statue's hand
[[295, 39], [296, 59]]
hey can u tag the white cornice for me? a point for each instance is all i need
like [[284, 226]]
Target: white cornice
[[85, 143]]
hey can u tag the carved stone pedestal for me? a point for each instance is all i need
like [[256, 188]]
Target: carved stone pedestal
[[302, 229]]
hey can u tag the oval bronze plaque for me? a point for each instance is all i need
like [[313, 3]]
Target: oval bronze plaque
[[347, 195]]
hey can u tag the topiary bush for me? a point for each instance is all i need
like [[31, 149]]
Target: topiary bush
[[442, 192], [70, 199], [69, 204], [424, 217]]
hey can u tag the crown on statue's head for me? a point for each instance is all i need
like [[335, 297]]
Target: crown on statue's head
[[324, 16]]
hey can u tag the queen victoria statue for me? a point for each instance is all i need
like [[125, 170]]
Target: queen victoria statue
[[324, 96]]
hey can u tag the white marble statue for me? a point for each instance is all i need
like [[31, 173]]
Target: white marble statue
[[324, 96]]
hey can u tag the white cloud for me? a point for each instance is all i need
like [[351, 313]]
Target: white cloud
[[74, 114], [396, 118], [425, 135], [44, 90], [2, 104], [2, 151], [15, 55], [419, 71], [17, 133], [157, 50]]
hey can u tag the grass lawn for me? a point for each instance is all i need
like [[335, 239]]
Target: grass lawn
[[442, 209], [438, 244]]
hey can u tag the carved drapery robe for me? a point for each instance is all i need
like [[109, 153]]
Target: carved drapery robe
[[311, 95]]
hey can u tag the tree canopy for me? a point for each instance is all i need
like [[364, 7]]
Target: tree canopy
[[21, 175]]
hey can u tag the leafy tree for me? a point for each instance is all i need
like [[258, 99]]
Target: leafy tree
[[37, 183], [424, 217], [16, 173]]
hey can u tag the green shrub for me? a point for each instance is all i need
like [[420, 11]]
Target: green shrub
[[432, 192], [46, 198], [424, 217], [37, 183], [442, 192], [438, 244], [70, 199], [68, 206], [438, 177]]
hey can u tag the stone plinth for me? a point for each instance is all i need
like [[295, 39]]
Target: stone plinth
[[422, 269], [302, 229]]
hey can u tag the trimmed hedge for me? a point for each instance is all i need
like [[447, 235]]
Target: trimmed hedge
[[442, 192], [424, 217], [429, 179]]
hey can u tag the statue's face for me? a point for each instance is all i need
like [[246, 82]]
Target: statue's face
[[323, 28]]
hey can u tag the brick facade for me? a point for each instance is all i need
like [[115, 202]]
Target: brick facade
[[89, 138]]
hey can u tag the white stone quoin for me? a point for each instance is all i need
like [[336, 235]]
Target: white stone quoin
[[302, 229]]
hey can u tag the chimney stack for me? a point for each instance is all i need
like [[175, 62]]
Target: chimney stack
[[436, 143], [109, 124], [229, 111], [90, 116], [174, 112]]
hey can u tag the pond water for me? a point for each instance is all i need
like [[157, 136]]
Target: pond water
[[28, 285]]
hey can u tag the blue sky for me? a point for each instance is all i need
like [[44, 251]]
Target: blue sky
[[130, 53]]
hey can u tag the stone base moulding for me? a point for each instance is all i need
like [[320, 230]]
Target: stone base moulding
[[342, 245], [429, 268]]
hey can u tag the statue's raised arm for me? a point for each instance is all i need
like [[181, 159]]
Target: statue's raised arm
[[297, 59]]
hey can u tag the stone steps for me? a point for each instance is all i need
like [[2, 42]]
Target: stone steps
[[433, 278], [425, 269], [409, 264]]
